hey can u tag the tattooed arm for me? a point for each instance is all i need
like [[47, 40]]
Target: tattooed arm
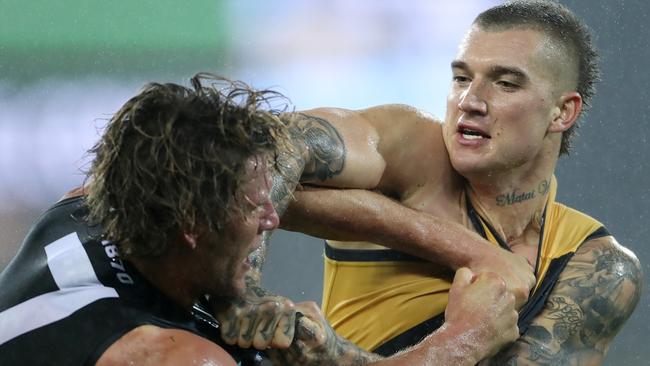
[[317, 152], [473, 300], [339, 151], [355, 149], [343, 148], [594, 296], [405, 152]]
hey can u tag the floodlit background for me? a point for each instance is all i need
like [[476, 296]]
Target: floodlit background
[[65, 67]]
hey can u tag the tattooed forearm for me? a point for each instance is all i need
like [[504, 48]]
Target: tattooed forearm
[[595, 295], [316, 152], [323, 146], [289, 166], [311, 347]]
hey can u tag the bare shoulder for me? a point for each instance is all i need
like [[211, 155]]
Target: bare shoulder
[[411, 141], [151, 345], [606, 257], [604, 269], [600, 288], [396, 147], [402, 115], [381, 117]]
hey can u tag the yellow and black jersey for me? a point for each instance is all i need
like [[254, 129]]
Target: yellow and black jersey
[[384, 300]]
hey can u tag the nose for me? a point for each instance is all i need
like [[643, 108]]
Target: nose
[[471, 102], [269, 220]]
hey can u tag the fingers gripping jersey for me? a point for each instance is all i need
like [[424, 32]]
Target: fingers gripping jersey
[[67, 296], [385, 301]]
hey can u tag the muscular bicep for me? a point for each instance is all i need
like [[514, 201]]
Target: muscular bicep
[[386, 146], [340, 148], [595, 295]]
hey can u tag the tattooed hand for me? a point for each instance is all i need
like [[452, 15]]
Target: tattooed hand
[[315, 152], [316, 343], [594, 296], [258, 319]]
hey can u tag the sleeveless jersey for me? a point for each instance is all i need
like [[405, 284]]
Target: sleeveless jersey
[[384, 300], [67, 296]]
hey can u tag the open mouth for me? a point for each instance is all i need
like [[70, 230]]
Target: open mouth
[[470, 134]]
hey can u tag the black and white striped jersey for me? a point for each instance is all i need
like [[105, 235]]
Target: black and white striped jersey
[[67, 296]]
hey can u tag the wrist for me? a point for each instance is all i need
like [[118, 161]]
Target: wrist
[[455, 246], [482, 255], [456, 345]]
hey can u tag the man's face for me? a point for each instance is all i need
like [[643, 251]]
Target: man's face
[[501, 100], [227, 252]]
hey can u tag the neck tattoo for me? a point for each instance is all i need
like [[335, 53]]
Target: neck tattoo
[[516, 197]]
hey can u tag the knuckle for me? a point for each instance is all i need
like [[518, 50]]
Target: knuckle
[[307, 307], [514, 318], [287, 311], [320, 338], [485, 278], [513, 295], [497, 282], [270, 306], [512, 299], [237, 311], [287, 303], [260, 343], [281, 342], [492, 276]]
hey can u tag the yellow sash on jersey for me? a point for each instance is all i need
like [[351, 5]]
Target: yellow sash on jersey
[[370, 301]]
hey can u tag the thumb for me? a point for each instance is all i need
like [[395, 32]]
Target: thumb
[[464, 276]]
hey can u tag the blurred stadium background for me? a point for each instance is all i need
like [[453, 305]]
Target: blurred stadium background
[[65, 67]]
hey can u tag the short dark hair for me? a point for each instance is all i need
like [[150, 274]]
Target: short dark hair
[[561, 25], [174, 157]]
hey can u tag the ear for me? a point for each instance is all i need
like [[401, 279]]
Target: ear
[[566, 112]]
